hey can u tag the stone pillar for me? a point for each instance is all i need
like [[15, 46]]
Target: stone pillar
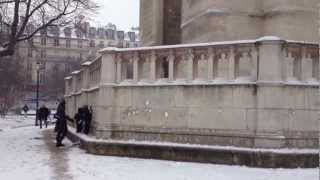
[[108, 68], [151, 22], [86, 80], [119, 68], [306, 66], [103, 117], [289, 67], [270, 60], [190, 58], [232, 63], [153, 59], [74, 83], [211, 55], [254, 57], [172, 22], [171, 59], [86, 76], [136, 67]]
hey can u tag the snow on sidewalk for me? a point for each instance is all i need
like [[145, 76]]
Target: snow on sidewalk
[[23, 153], [85, 166], [28, 153]]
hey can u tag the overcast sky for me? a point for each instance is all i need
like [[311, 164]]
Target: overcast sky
[[123, 13]]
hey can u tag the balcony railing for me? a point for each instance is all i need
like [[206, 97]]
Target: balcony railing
[[236, 62]]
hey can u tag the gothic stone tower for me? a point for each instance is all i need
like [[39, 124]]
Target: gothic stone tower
[[194, 21], [160, 22]]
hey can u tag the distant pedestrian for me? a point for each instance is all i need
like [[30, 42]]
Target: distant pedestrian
[[79, 117], [43, 115], [61, 123], [25, 110], [87, 119], [3, 110]]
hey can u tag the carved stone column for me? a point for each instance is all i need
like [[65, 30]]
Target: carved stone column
[[211, 55], [119, 68], [190, 59], [171, 59], [153, 59], [135, 67], [254, 58], [306, 65], [231, 74]]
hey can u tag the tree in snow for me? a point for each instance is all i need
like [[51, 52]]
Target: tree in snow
[[12, 81], [20, 20]]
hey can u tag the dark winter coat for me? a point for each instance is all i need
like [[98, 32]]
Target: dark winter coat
[[80, 119], [87, 119], [43, 113], [61, 123], [25, 108]]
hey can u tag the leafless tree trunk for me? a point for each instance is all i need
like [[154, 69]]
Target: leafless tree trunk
[[12, 81], [22, 19]]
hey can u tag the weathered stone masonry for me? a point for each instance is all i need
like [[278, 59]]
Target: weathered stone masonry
[[258, 93]]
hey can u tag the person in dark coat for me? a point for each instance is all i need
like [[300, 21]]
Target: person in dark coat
[[61, 123], [43, 115], [25, 110], [87, 113], [79, 117]]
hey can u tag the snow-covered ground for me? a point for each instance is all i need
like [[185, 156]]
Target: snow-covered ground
[[28, 153]]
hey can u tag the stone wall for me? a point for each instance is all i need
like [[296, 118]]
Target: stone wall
[[248, 19], [221, 20], [172, 22], [151, 22], [257, 93], [160, 22]]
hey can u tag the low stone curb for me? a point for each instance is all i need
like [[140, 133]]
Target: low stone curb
[[202, 155]]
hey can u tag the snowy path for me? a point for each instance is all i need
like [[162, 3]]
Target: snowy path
[[29, 153]]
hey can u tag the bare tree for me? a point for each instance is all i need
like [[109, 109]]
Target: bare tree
[[54, 83], [22, 19], [12, 81]]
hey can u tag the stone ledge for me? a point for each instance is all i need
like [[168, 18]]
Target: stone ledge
[[228, 156]]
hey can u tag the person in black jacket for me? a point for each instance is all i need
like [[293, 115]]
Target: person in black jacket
[[25, 110], [43, 115], [87, 113], [79, 117], [61, 123]]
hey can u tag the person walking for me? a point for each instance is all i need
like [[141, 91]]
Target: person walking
[[61, 123], [44, 113], [25, 110]]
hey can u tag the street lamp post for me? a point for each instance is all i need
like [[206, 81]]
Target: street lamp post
[[37, 92]]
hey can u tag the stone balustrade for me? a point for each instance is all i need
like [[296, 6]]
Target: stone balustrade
[[215, 63], [263, 91]]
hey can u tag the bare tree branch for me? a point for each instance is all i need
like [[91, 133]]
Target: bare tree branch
[[17, 15]]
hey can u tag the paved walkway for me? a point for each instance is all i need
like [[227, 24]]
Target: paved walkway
[[58, 157], [30, 154]]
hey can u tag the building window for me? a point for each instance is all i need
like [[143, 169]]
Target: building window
[[43, 65], [29, 67], [43, 41], [42, 77], [29, 52], [92, 43], [127, 44], [43, 53], [80, 56], [101, 44], [56, 42], [79, 43], [30, 41], [68, 43]]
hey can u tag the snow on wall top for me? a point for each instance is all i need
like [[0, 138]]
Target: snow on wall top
[[262, 39]]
